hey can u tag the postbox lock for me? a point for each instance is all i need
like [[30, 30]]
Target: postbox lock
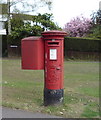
[[58, 68]]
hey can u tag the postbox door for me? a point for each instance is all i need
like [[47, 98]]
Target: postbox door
[[54, 67]]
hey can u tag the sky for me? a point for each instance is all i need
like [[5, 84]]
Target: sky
[[64, 10]]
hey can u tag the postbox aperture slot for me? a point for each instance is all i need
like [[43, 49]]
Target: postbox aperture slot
[[53, 43]]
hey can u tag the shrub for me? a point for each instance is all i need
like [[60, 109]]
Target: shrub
[[78, 27]]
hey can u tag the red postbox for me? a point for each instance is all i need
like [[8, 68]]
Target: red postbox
[[32, 50], [46, 52], [54, 57]]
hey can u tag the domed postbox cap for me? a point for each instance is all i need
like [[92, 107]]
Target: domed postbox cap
[[53, 34]]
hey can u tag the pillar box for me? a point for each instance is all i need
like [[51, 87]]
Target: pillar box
[[46, 52], [54, 57]]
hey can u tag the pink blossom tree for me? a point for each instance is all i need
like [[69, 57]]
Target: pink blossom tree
[[78, 27]]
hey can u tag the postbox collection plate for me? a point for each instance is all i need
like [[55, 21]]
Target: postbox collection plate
[[53, 54]]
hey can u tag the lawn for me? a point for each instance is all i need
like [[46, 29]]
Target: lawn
[[23, 89]]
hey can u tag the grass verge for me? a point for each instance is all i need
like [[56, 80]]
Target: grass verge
[[23, 89]]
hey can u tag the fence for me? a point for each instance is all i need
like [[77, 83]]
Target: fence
[[14, 51], [82, 48], [82, 55]]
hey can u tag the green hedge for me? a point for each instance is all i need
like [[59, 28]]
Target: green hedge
[[82, 44], [71, 44]]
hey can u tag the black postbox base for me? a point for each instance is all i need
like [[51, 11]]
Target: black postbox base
[[53, 97]]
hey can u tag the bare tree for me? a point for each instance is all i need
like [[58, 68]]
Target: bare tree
[[26, 7], [31, 6]]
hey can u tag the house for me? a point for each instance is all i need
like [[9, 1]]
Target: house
[[100, 5], [3, 11], [2, 25]]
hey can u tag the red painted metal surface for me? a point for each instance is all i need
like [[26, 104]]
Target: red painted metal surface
[[54, 57], [32, 53]]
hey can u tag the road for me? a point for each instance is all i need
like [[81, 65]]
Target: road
[[13, 113]]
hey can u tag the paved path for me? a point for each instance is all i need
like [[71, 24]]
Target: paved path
[[12, 113]]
